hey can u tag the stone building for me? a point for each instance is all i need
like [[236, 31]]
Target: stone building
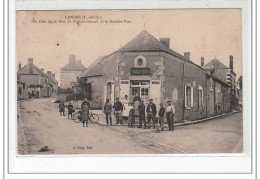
[[147, 67], [226, 75], [38, 83], [70, 72]]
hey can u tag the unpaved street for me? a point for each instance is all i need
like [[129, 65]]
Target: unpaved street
[[40, 124]]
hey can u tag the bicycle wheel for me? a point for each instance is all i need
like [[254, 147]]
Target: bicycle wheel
[[94, 118], [76, 118]]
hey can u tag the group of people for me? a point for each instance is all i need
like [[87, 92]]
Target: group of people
[[85, 107], [127, 111]]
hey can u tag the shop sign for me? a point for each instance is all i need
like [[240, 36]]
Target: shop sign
[[140, 71]]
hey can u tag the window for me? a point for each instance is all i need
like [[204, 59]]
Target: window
[[200, 97], [145, 83], [135, 83], [188, 96], [134, 91], [144, 92]]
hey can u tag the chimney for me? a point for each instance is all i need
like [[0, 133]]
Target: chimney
[[30, 62], [202, 61], [72, 60], [187, 55], [20, 65], [42, 69], [165, 41], [49, 73], [231, 62], [53, 76]]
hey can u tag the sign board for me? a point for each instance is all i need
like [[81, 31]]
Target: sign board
[[140, 71]]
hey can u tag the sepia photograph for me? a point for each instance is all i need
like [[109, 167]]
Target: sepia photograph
[[163, 81]]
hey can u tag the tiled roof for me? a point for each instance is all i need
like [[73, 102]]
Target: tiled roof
[[76, 67], [36, 70], [216, 63], [144, 41]]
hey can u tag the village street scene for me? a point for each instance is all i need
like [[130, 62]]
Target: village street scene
[[144, 97]]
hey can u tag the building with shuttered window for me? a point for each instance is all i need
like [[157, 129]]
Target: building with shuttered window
[[147, 67]]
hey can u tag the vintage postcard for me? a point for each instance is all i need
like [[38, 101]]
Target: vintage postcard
[[129, 81]]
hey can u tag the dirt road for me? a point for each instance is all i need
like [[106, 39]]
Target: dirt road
[[41, 125]]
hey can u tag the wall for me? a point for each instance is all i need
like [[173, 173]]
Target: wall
[[30, 79], [195, 76], [173, 88], [69, 76]]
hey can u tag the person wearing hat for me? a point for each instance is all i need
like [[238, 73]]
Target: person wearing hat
[[62, 108], [170, 111], [118, 111], [70, 110], [141, 109], [161, 116], [107, 111], [131, 115], [151, 113]]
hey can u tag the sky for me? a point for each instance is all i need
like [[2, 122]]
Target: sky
[[211, 33]]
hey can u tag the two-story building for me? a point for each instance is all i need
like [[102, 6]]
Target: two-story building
[[71, 72], [38, 83]]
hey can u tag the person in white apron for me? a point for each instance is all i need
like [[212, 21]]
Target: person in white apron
[[125, 112]]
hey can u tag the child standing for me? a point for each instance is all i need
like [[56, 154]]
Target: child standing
[[161, 116], [131, 115]]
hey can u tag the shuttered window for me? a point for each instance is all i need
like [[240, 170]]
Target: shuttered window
[[188, 96]]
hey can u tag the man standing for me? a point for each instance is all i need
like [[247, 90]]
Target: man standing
[[62, 108], [161, 116], [151, 113], [141, 108], [170, 111], [118, 111], [107, 111], [70, 110]]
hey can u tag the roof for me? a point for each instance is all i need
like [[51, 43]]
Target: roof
[[143, 42], [36, 71], [216, 63], [76, 67], [95, 69]]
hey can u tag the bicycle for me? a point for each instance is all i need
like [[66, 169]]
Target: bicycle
[[77, 117]]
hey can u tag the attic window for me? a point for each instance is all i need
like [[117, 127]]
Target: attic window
[[140, 62]]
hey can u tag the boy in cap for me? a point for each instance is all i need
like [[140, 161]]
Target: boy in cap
[[161, 116], [170, 111], [131, 115]]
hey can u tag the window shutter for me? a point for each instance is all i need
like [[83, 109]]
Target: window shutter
[[191, 96], [202, 98], [185, 97]]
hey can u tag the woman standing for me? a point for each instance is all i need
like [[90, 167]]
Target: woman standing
[[85, 115], [125, 112]]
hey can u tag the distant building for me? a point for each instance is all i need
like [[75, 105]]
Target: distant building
[[70, 72], [22, 90], [147, 67], [227, 75], [38, 83]]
